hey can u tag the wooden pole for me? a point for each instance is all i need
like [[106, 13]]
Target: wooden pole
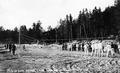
[[71, 32], [80, 30], [56, 35], [85, 31], [19, 35]]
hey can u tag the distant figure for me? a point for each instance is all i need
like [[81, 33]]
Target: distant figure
[[6, 46], [73, 47], [83, 47], [13, 49], [115, 47], [79, 47], [10, 47], [24, 47], [64, 46]]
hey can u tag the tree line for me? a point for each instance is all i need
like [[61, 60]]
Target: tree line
[[88, 24]]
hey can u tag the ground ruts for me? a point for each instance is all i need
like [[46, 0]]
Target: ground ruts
[[55, 61], [88, 65]]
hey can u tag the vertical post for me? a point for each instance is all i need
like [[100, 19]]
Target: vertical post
[[101, 35], [69, 36], [80, 30], [85, 31], [56, 35], [19, 35], [71, 32]]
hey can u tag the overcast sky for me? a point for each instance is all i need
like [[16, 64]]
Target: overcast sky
[[24, 12]]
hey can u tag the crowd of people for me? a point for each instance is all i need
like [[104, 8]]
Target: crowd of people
[[95, 47], [11, 47]]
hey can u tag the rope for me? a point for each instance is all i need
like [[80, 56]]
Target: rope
[[29, 37], [33, 39]]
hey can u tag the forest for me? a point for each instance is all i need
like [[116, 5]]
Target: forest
[[88, 24]]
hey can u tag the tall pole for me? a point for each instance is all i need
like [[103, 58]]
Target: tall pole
[[19, 35], [80, 30], [56, 35], [71, 32], [69, 36], [85, 30]]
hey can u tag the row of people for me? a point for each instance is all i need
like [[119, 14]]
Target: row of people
[[11, 47], [98, 47]]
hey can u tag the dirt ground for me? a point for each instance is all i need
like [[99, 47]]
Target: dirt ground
[[50, 59]]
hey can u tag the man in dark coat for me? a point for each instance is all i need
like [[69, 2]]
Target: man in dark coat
[[13, 49], [10, 47], [7, 46]]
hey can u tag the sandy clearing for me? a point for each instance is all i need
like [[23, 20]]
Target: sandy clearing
[[48, 59]]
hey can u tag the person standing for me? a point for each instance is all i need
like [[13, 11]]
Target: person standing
[[13, 49], [24, 48], [10, 47], [7, 46]]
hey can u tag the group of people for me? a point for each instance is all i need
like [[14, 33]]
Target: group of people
[[11, 47], [75, 46], [95, 47]]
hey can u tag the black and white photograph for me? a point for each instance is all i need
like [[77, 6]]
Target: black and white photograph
[[59, 36]]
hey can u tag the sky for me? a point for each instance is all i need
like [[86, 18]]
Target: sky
[[14, 13]]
